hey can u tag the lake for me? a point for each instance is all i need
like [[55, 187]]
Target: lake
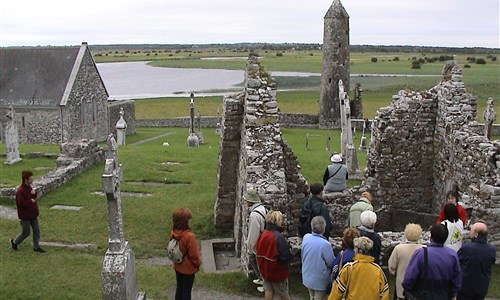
[[135, 80]]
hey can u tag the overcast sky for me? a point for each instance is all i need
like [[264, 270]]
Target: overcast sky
[[460, 23]]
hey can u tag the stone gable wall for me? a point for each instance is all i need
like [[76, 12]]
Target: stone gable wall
[[85, 114]]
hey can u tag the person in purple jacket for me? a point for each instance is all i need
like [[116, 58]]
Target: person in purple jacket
[[444, 276], [27, 211], [476, 259]]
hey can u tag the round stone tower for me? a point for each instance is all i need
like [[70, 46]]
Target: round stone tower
[[335, 64]]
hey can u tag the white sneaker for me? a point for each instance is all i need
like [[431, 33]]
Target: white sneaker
[[260, 289], [258, 281]]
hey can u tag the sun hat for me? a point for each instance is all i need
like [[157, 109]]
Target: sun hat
[[336, 158], [251, 196]]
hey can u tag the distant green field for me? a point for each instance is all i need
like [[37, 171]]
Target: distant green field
[[301, 94]]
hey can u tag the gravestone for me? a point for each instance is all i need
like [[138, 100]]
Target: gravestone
[[11, 140], [489, 117], [192, 140], [121, 129], [118, 267]]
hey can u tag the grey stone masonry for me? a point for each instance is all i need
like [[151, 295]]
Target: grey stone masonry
[[426, 143], [335, 64], [253, 155]]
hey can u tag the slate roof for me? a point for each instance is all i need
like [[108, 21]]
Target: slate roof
[[35, 75]]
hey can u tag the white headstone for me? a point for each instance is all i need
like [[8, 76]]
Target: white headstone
[[11, 140], [121, 129], [489, 117]]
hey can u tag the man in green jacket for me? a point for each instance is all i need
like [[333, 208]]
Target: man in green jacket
[[364, 203]]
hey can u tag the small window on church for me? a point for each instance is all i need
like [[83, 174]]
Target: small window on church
[[23, 122]]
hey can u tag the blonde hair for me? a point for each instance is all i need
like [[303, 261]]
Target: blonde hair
[[413, 232], [274, 217], [363, 244]]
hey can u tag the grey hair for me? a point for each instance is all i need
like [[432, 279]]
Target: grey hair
[[318, 224], [368, 219], [363, 244]]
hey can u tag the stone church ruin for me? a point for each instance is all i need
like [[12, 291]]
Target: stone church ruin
[[424, 144], [57, 95]]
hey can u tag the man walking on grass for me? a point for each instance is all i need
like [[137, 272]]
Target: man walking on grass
[[27, 211]]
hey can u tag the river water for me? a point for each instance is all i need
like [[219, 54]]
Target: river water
[[135, 80]]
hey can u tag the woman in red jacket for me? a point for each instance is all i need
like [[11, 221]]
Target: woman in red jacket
[[273, 257], [452, 197], [190, 264]]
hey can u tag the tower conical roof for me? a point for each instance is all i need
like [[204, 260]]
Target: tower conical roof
[[336, 10]]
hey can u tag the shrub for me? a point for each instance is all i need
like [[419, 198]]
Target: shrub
[[395, 58], [494, 58], [374, 59], [471, 59], [445, 57], [480, 61], [466, 66], [415, 64], [279, 54]]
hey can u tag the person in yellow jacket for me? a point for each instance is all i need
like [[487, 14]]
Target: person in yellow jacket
[[362, 278]]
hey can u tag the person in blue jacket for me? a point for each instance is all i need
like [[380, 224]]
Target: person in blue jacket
[[476, 259], [317, 260]]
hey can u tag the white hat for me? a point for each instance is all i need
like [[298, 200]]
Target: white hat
[[336, 158]]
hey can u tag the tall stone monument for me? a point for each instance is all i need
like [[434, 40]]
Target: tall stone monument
[[489, 117], [347, 145], [118, 267], [121, 129], [192, 140], [11, 140], [335, 64]]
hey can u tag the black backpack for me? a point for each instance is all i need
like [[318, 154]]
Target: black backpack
[[306, 215]]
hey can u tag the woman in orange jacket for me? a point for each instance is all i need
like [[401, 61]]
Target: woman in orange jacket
[[190, 264]]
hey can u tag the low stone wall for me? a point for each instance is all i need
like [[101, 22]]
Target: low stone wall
[[75, 158]]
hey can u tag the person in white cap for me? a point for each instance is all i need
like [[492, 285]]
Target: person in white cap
[[256, 224], [335, 175]]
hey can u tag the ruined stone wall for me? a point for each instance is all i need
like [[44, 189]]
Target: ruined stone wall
[[426, 143], [253, 155], [401, 157], [229, 149]]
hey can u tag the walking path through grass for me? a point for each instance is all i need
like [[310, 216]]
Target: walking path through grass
[[151, 139]]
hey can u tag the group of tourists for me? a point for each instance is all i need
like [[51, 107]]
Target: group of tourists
[[445, 268]]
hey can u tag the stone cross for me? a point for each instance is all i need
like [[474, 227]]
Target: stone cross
[[489, 117], [121, 129], [362, 144], [192, 140], [118, 274], [11, 139], [111, 187]]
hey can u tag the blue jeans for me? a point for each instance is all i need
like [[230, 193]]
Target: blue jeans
[[184, 286], [25, 225]]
